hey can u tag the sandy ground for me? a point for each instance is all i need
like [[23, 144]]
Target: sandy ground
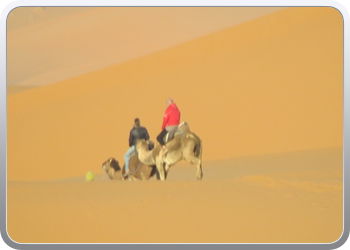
[[266, 98], [295, 197]]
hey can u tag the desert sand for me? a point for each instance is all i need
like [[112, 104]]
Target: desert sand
[[265, 95], [91, 38]]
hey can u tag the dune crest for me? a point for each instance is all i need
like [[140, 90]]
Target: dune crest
[[47, 45]]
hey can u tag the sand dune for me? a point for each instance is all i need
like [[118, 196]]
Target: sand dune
[[271, 90], [266, 98], [292, 197], [11, 89], [46, 45]]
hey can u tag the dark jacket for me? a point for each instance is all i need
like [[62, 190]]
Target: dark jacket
[[137, 133]]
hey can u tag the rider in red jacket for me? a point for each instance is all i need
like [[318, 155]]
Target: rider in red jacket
[[171, 116], [171, 120]]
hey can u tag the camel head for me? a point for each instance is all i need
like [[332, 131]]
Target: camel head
[[142, 144], [111, 166], [111, 163]]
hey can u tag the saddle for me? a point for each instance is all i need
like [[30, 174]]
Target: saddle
[[179, 130]]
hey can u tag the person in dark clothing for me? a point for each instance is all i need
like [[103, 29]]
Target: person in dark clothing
[[137, 132]]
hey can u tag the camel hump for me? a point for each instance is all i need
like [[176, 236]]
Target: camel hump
[[183, 128]]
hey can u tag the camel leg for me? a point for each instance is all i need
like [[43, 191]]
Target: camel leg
[[160, 167], [198, 162], [167, 167], [199, 174], [157, 175]]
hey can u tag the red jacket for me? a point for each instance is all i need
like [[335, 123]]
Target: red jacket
[[171, 116]]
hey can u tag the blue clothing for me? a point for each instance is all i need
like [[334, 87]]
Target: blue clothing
[[127, 157]]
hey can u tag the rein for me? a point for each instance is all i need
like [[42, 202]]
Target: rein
[[134, 170]]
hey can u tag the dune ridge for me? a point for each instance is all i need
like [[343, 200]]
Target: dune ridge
[[46, 45]]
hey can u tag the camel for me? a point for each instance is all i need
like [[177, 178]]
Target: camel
[[138, 170], [184, 146]]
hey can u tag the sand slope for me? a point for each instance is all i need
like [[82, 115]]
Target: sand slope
[[269, 85], [265, 96], [294, 197], [46, 45]]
